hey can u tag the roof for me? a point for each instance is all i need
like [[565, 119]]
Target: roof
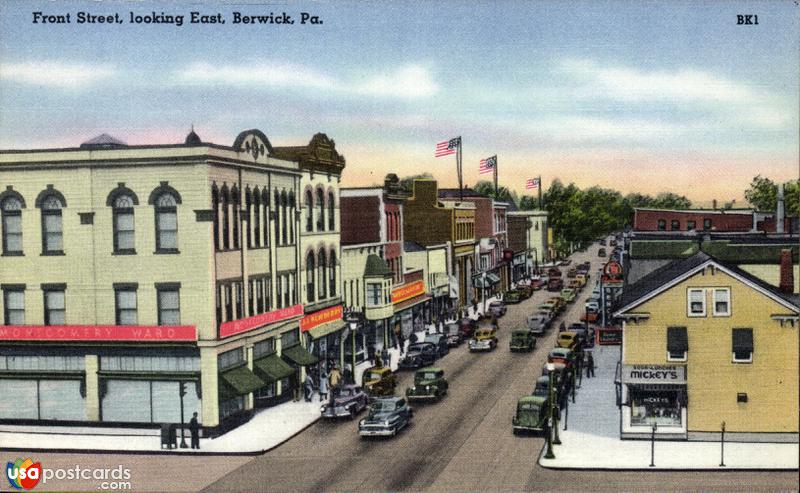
[[453, 193], [698, 211], [412, 246], [430, 368], [673, 272], [533, 399], [103, 140], [376, 266]]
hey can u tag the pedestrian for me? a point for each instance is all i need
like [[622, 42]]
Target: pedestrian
[[335, 379], [308, 387], [323, 385], [398, 333], [474, 306], [589, 365], [194, 429]]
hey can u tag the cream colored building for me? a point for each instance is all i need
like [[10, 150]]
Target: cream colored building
[[130, 269]]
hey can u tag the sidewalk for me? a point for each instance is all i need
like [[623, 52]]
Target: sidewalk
[[267, 429], [592, 440]]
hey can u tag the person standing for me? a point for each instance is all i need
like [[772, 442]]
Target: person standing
[[308, 387], [335, 379], [194, 429], [323, 385], [589, 365]]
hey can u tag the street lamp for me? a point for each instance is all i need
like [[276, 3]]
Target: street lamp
[[549, 454], [483, 291], [182, 392], [352, 322]]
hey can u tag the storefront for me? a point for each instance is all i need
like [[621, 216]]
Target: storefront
[[323, 333], [409, 307], [519, 267], [654, 395]]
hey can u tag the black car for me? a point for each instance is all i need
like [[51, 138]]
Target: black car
[[419, 354], [440, 341]]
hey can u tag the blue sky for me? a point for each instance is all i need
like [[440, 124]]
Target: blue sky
[[639, 96]]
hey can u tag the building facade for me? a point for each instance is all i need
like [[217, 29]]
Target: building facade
[[527, 238], [131, 272]]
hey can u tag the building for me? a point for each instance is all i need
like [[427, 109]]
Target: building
[[320, 273], [706, 342], [428, 221], [527, 238], [433, 261], [130, 271]]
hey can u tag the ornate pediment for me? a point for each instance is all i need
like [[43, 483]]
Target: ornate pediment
[[253, 143]]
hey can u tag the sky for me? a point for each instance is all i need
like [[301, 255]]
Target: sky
[[637, 96]]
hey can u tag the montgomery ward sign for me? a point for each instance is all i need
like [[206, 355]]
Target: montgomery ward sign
[[321, 317], [154, 333], [408, 291], [244, 324], [654, 374]]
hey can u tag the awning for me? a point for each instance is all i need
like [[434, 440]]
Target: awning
[[272, 367], [241, 380], [326, 329], [494, 278], [398, 307], [299, 356], [742, 340], [677, 340]]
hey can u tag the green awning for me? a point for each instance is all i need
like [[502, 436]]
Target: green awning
[[493, 278], [299, 356], [272, 367], [241, 380]]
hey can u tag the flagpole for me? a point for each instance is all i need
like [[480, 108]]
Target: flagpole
[[458, 165], [495, 176], [540, 192]]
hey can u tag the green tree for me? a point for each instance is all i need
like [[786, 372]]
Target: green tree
[[763, 195], [407, 182], [669, 200], [503, 194]]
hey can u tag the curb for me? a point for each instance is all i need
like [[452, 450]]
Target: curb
[[158, 452]]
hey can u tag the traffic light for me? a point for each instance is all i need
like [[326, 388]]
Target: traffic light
[[183, 389]]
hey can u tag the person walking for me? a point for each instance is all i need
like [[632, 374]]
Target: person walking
[[335, 379], [323, 385], [194, 430], [308, 387], [589, 365]]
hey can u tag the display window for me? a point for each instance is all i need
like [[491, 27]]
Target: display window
[[660, 407]]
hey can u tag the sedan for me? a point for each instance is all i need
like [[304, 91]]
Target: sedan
[[419, 354]]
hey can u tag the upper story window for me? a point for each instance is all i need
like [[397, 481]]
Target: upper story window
[[323, 275], [236, 210], [256, 221], [215, 209], [742, 345], [265, 227], [248, 207], [675, 225], [55, 309], [11, 209], [123, 224], [226, 229], [706, 223], [696, 302], [662, 224], [677, 343], [263, 348], [331, 215], [310, 277], [309, 211], [229, 359], [166, 208], [722, 302], [690, 225], [14, 305], [374, 294], [284, 218], [126, 309], [52, 234], [332, 273], [321, 206], [290, 338], [169, 304]]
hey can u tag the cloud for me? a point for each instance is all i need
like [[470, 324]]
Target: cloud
[[628, 84], [408, 82], [69, 75]]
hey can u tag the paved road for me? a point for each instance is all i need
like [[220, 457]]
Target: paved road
[[463, 443]]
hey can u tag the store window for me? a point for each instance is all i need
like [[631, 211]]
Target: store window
[[169, 304], [742, 345], [126, 311], [55, 311], [696, 302], [14, 305], [52, 234], [722, 302], [12, 225], [662, 407], [677, 343]]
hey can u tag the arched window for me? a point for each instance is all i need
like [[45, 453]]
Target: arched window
[[277, 217], [309, 211], [166, 223], [248, 205], [52, 233], [321, 206], [235, 201], [291, 217], [226, 210], [215, 209], [332, 274], [310, 274], [256, 219], [265, 216], [323, 280], [331, 216], [284, 226], [12, 225], [123, 223]]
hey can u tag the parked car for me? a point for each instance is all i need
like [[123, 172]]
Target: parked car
[[512, 297], [440, 341], [387, 416], [565, 262], [496, 309], [582, 278], [601, 252], [575, 285], [522, 340], [350, 401], [538, 323], [419, 354], [554, 272], [485, 339], [559, 302], [453, 335], [562, 375], [591, 305], [555, 284], [567, 339], [525, 290], [561, 355], [536, 284], [429, 384], [568, 295], [602, 242], [549, 308], [467, 326], [378, 380], [612, 242], [572, 272], [542, 389], [531, 415]]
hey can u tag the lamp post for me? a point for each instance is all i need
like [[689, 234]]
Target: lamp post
[[352, 322], [182, 392], [549, 454], [722, 447], [483, 291], [653, 444]]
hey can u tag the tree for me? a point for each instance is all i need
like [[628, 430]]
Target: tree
[[503, 194], [407, 182], [669, 200], [763, 195]]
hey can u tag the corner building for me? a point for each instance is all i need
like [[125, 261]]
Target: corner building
[[129, 269]]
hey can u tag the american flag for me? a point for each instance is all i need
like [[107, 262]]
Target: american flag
[[448, 147], [487, 165], [532, 183]]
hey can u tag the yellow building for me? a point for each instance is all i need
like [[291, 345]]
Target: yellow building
[[705, 342], [129, 270]]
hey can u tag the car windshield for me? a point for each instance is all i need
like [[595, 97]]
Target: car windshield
[[452, 328], [382, 406], [346, 392], [428, 375], [373, 375], [527, 406]]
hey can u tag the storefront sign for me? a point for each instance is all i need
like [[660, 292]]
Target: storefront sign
[[403, 293], [654, 374], [321, 317], [154, 333], [244, 324], [609, 336]]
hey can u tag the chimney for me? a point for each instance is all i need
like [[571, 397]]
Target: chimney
[[714, 204], [779, 213], [787, 274]]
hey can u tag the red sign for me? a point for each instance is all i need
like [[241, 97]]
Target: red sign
[[244, 324], [403, 293], [155, 333], [613, 270], [608, 336], [321, 317]]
